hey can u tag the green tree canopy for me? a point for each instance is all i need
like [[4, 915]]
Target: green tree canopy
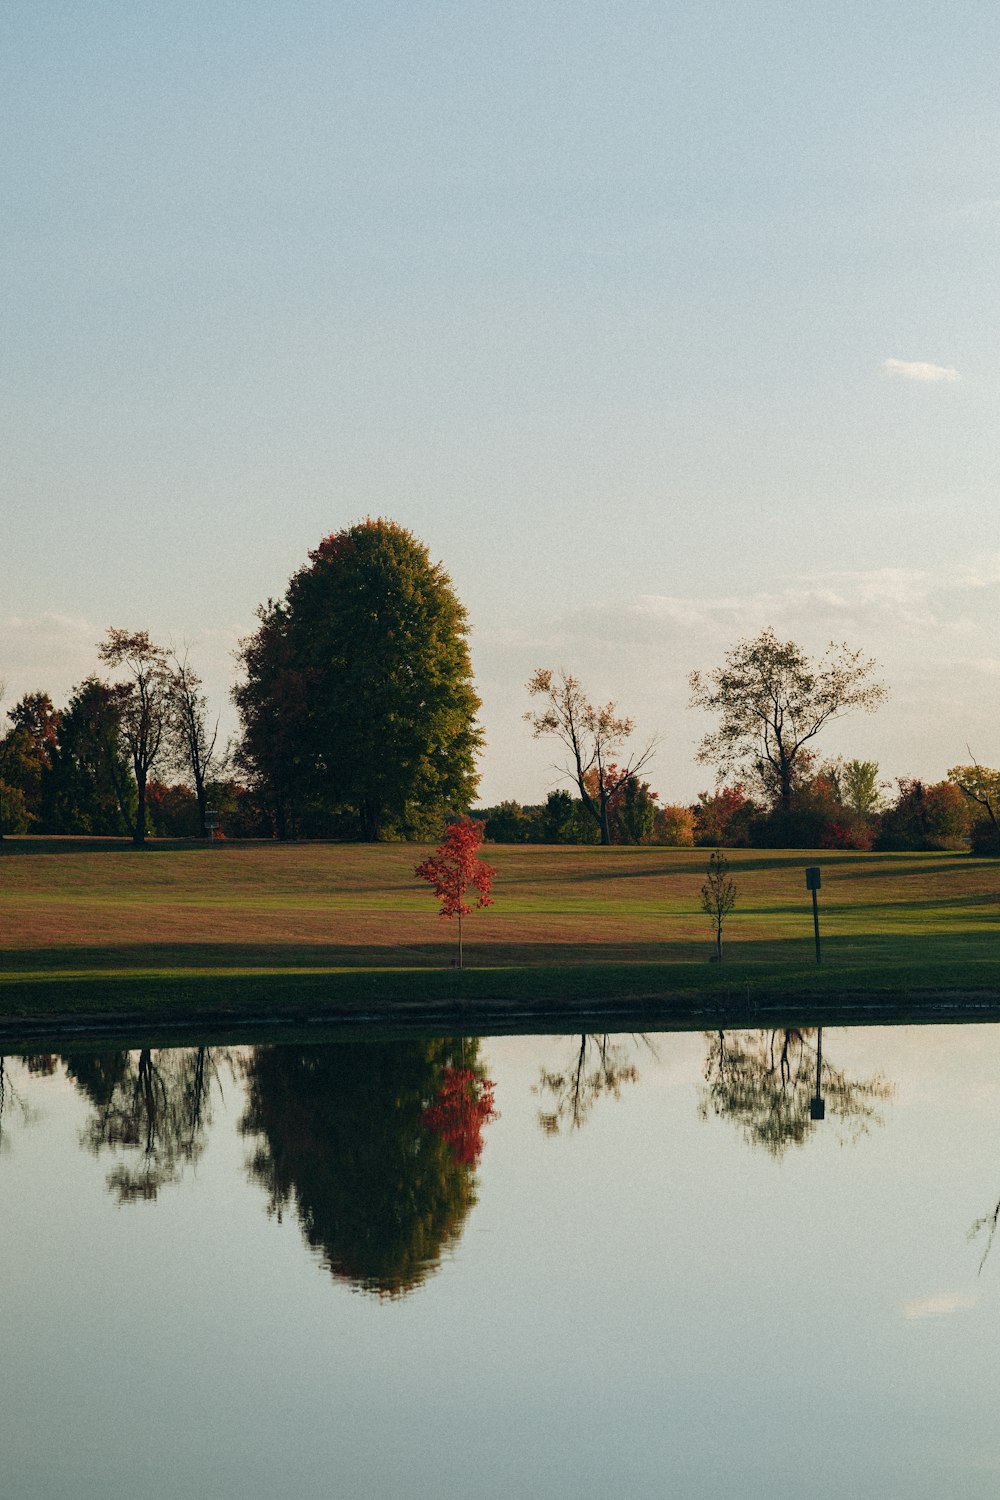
[[89, 786], [981, 784], [25, 756], [358, 701]]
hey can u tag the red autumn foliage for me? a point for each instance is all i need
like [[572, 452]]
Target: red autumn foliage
[[716, 811], [455, 867], [463, 1106]]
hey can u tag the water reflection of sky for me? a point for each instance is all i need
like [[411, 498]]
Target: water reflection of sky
[[647, 1304]]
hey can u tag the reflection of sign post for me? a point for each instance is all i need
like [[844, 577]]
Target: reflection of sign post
[[817, 1106], [814, 879]]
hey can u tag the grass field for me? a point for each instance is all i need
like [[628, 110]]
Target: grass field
[[90, 926]]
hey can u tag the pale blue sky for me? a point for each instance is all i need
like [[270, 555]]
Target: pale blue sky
[[596, 299]]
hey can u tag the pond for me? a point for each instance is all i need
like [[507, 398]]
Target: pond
[[516, 1266]]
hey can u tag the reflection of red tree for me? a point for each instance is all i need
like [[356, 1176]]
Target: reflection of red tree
[[464, 1105]]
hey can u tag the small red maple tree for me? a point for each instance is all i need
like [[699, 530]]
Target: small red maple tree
[[454, 867]]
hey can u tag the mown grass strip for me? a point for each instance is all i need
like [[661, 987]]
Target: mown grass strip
[[84, 927]]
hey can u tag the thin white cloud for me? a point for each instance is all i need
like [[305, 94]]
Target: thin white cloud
[[979, 208], [941, 1306], [909, 369], [46, 651], [950, 600]]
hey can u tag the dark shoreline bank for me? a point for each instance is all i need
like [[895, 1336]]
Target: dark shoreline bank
[[764, 1008]]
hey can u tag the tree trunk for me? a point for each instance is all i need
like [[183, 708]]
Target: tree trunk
[[199, 791], [371, 820], [280, 820], [139, 831]]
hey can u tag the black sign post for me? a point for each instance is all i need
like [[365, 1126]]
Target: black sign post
[[814, 879]]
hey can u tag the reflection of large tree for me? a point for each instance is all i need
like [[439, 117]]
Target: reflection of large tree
[[599, 1067], [8, 1096], [349, 1135], [11, 1098], [151, 1110], [765, 1081]]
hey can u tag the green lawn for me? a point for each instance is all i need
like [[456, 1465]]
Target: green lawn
[[93, 926]]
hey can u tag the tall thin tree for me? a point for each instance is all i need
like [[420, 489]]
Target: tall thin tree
[[194, 736], [145, 707]]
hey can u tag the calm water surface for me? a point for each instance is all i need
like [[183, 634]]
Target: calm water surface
[[534, 1266]]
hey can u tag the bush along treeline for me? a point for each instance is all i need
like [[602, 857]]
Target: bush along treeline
[[839, 805], [358, 718]]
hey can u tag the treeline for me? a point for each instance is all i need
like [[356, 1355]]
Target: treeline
[[839, 805], [71, 771], [357, 708], [359, 720]]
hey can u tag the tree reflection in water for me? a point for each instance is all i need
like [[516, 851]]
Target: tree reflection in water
[[8, 1096], [373, 1148], [600, 1067], [151, 1108], [986, 1226], [764, 1082]]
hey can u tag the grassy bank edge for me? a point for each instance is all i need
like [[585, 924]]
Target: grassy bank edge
[[561, 998]]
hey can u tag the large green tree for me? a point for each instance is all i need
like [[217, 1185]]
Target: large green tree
[[357, 701]]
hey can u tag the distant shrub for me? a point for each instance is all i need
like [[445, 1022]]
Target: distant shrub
[[986, 838], [674, 826], [792, 828], [509, 823], [923, 817], [848, 833], [14, 815], [172, 811], [724, 817], [562, 820]]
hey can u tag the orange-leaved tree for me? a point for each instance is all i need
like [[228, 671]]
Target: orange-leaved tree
[[454, 867]]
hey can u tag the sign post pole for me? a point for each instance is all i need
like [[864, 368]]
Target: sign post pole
[[814, 879]]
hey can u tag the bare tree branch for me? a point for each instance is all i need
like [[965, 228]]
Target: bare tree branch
[[772, 700], [593, 734]]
